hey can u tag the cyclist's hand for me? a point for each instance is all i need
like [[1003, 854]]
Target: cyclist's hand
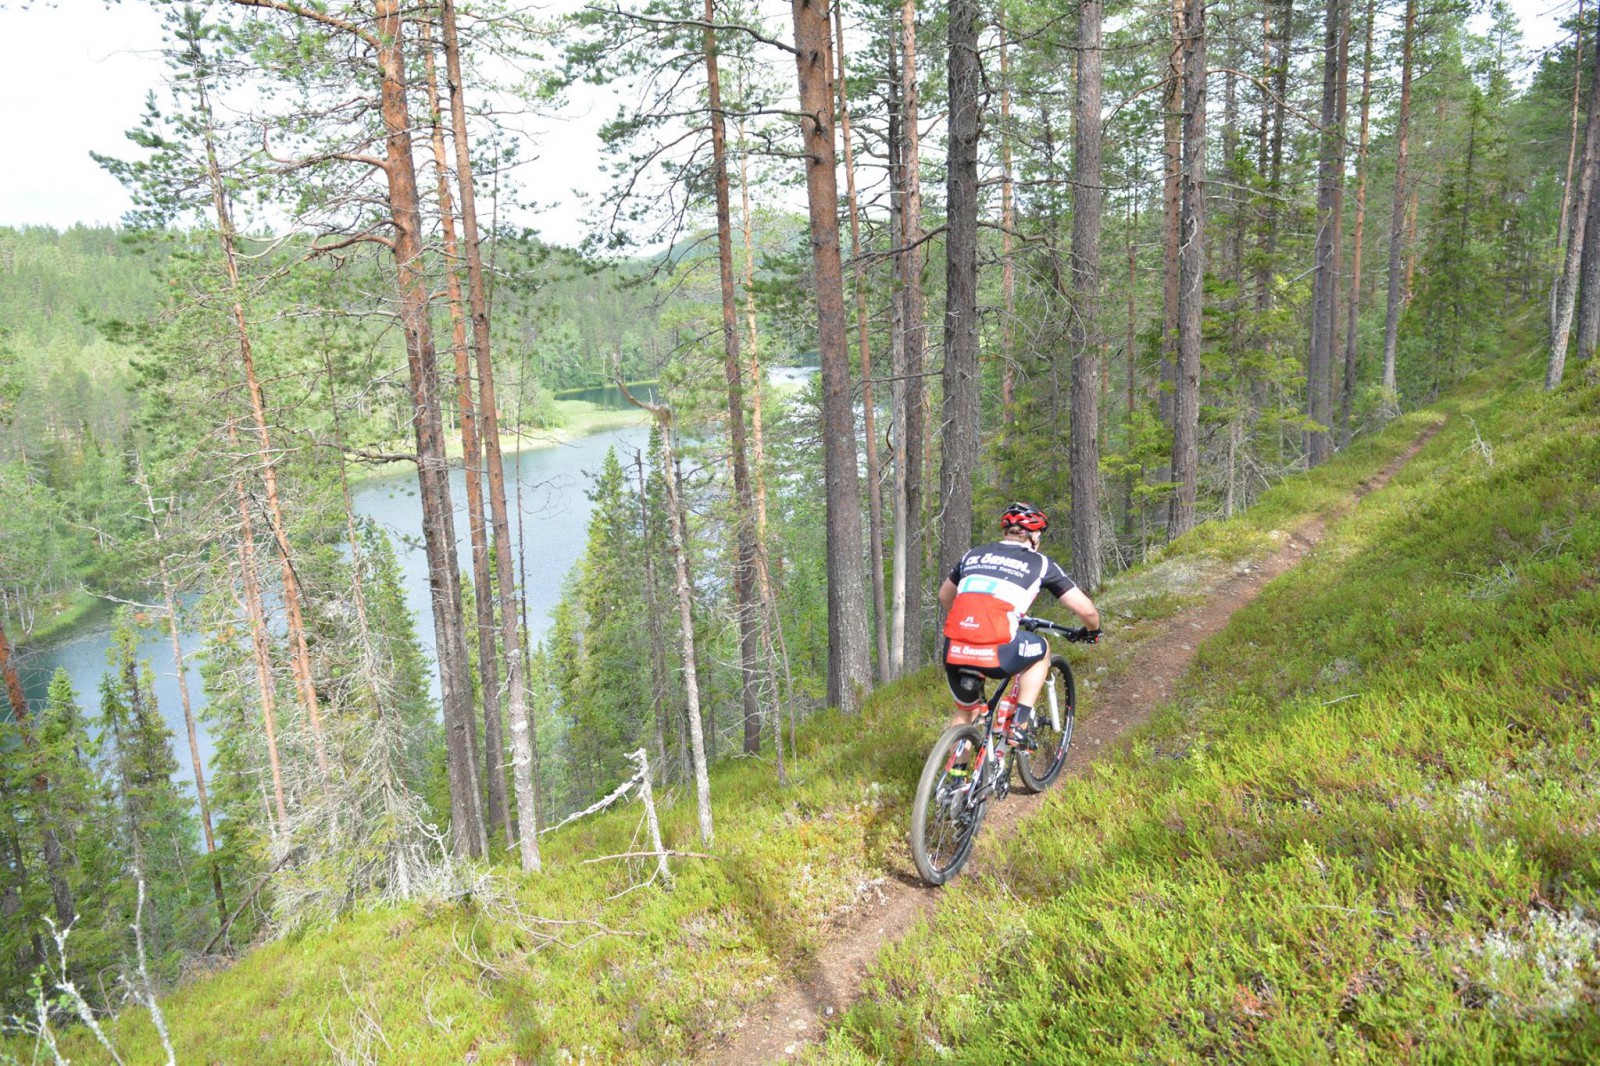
[[1090, 636]]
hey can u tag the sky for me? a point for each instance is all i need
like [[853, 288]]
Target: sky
[[78, 72]]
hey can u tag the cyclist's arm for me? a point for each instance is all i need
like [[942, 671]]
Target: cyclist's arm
[[947, 595], [1075, 601]]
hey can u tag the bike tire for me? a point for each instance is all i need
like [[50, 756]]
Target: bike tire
[[1039, 769], [943, 824]]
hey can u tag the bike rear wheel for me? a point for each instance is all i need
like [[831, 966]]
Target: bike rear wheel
[[944, 818], [1052, 729]]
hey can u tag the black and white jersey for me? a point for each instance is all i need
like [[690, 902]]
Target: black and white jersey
[[995, 585]]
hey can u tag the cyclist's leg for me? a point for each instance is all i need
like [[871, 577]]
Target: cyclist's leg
[[966, 687], [1027, 657]]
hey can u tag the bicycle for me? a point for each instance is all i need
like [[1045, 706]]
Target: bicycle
[[951, 799]]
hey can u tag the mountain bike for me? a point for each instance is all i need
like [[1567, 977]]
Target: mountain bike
[[970, 765]]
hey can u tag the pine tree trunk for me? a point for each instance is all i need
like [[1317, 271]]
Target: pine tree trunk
[[880, 614], [959, 455], [1563, 219], [745, 564], [1008, 222], [1325, 280], [898, 402], [255, 619], [1186, 408], [170, 598], [677, 537], [1588, 312], [848, 667], [301, 655], [1088, 207], [1353, 312], [916, 343], [1402, 134], [1567, 283], [523, 735], [438, 522], [1172, 199], [499, 822]]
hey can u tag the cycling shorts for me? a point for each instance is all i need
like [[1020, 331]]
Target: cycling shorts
[[964, 663]]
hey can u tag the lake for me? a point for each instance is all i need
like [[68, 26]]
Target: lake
[[554, 513]]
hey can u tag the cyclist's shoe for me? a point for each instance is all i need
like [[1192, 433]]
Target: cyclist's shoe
[[1021, 738]]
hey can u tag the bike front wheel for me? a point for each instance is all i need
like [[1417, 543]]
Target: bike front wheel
[[1052, 729], [945, 817]]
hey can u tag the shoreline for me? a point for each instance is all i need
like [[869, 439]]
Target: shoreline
[[583, 419]]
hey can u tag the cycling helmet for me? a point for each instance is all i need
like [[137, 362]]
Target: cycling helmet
[[1025, 515]]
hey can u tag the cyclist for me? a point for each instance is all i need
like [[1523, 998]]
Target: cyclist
[[985, 595]]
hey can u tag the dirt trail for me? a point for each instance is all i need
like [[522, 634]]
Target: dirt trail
[[799, 1012]]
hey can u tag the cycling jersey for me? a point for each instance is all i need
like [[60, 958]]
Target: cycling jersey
[[995, 585]]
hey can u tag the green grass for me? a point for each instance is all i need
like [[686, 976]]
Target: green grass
[[1365, 831], [1362, 831]]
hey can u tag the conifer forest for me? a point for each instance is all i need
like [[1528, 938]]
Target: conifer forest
[[856, 274]]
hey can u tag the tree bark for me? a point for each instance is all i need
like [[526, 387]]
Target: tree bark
[[745, 564], [523, 727], [438, 522], [959, 454], [1191, 274], [1563, 219], [1353, 312], [1397, 223], [898, 380], [848, 666], [499, 822], [227, 237], [170, 598], [1325, 280], [260, 646], [1008, 222], [880, 615], [1172, 199], [1084, 305], [914, 314], [1567, 284], [1588, 311]]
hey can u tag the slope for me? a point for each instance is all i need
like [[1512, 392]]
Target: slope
[[591, 963], [1364, 830]]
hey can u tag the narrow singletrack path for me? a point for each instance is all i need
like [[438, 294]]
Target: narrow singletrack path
[[800, 1010]]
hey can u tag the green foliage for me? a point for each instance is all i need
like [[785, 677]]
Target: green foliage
[[1360, 831]]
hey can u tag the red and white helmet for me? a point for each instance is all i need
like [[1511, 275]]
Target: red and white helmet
[[1025, 515]]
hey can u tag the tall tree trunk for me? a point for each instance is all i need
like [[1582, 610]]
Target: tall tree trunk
[[256, 619], [499, 822], [1567, 283], [1563, 220], [1087, 209], [745, 565], [677, 537], [1402, 134], [1588, 311], [848, 667], [54, 861], [880, 614], [1191, 274], [1347, 395], [1008, 222], [959, 455], [292, 593], [1325, 280], [1172, 198], [898, 379], [916, 340], [170, 598], [438, 521], [523, 737]]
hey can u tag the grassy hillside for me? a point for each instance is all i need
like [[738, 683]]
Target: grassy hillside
[[1261, 876], [1366, 831]]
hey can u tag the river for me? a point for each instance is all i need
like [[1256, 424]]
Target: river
[[554, 516]]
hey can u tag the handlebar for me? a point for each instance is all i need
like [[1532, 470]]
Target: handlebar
[[1075, 634]]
